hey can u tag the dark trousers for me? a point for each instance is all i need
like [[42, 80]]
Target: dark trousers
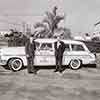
[[30, 64], [59, 62]]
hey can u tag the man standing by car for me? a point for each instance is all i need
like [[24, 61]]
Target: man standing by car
[[59, 50], [30, 48]]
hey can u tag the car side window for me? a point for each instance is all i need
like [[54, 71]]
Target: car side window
[[37, 45], [46, 46], [76, 47], [67, 48]]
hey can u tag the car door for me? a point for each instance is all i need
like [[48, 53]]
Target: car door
[[67, 54], [45, 54]]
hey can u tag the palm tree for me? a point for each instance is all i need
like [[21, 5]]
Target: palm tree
[[41, 30], [49, 25], [52, 20]]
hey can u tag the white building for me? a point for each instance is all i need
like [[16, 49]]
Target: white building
[[2, 33], [97, 29]]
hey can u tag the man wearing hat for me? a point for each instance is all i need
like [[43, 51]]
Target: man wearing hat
[[30, 48], [59, 50]]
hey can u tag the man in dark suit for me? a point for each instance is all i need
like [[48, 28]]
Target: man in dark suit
[[30, 48], [59, 50]]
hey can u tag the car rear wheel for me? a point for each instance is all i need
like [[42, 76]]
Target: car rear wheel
[[75, 64], [15, 64]]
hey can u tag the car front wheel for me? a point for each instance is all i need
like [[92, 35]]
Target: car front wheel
[[15, 64], [75, 64]]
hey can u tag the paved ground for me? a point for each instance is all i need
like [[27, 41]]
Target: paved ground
[[83, 84]]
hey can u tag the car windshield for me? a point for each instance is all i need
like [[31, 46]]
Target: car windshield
[[46, 46]]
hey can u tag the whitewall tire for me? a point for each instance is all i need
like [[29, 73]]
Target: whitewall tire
[[15, 64], [75, 64]]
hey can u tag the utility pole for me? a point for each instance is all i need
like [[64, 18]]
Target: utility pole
[[24, 28]]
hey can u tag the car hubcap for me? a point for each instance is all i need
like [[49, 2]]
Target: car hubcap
[[16, 64], [75, 64]]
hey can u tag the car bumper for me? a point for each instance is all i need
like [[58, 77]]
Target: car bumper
[[3, 62], [92, 62]]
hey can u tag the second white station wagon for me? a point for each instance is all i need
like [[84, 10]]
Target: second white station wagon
[[76, 54]]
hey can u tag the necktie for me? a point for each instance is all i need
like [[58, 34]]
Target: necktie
[[58, 44]]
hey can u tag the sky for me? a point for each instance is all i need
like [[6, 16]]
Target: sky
[[81, 15]]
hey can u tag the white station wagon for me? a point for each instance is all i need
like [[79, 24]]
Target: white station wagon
[[76, 54]]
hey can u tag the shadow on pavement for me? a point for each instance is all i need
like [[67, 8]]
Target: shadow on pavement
[[49, 67], [90, 66], [5, 67]]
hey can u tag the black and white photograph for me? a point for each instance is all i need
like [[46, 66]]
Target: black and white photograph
[[49, 49]]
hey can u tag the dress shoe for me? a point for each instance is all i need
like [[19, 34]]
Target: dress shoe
[[56, 70], [61, 70], [30, 72]]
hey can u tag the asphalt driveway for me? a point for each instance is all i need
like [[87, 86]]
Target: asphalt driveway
[[83, 84]]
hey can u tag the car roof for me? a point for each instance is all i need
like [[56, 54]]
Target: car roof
[[54, 40], [46, 40], [72, 42]]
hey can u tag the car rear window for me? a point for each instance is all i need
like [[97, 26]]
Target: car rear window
[[76, 47]]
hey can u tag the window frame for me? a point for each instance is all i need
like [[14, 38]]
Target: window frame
[[37, 47], [46, 49], [77, 45]]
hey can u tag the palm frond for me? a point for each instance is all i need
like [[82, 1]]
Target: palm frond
[[58, 19], [50, 15], [39, 25], [48, 22]]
